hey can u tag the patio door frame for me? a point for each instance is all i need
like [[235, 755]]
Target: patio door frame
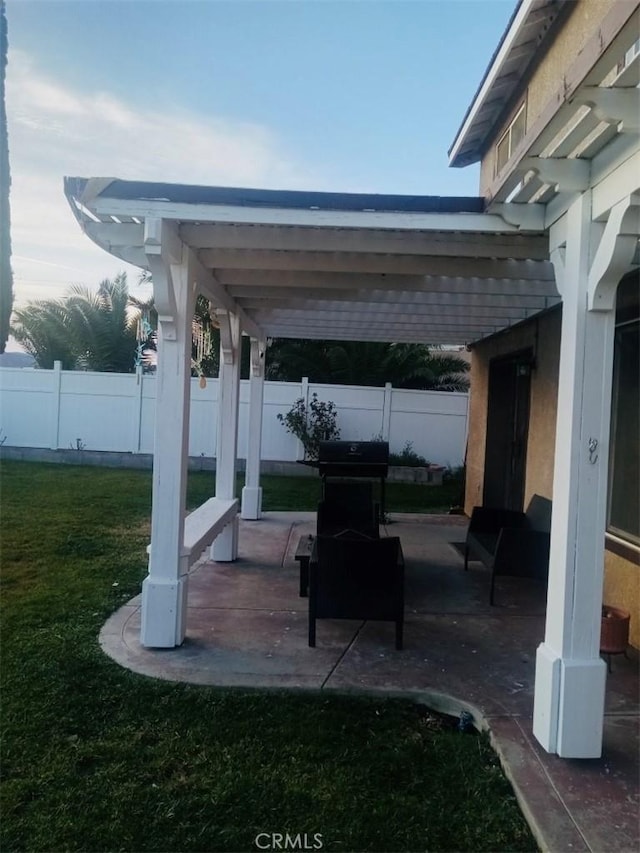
[[508, 408]]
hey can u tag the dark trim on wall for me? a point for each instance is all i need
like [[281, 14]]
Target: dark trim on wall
[[535, 318], [622, 549]]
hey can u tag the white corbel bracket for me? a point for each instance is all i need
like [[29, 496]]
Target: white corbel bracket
[[567, 175], [258, 349], [229, 336], [162, 247], [526, 217], [161, 237], [612, 105], [615, 253], [557, 257]]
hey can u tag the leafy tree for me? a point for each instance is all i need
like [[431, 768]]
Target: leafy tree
[[6, 274], [85, 330], [367, 363]]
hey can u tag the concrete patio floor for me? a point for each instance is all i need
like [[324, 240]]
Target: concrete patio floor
[[247, 626]]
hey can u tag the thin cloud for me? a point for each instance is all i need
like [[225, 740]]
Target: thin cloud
[[56, 131]]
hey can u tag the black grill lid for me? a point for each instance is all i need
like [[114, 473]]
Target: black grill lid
[[354, 452]]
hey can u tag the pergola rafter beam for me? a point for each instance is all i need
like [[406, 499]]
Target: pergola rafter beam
[[501, 310], [430, 336], [384, 281], [409, 290], [351, 319], [294, 238], [226, 261], [210, 287]]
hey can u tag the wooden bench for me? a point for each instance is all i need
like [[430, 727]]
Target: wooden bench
[[203, 525], [510, 542]]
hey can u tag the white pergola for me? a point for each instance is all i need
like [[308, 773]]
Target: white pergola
[[297, 265], [405, 269]]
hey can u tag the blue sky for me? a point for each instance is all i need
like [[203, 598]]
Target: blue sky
[[303, 94]]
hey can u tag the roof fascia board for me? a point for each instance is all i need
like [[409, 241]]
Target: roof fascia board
[[516, 25], [478, 222]]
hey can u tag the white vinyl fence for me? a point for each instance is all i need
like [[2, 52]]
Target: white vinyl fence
[[115, 412]]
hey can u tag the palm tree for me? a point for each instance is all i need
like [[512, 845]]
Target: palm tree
[[367, 363], [288, 360], [85, 330], [42, 329], [426, 368]]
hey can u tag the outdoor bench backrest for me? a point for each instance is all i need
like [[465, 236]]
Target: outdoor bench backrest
[[539, 514]]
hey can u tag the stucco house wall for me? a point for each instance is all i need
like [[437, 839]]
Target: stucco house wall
[[577, 24], [542, 334]]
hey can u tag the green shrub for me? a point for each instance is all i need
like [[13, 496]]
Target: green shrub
[[408, 458], [311, 424]]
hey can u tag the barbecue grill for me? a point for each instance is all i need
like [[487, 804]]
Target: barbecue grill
[[354, 459]]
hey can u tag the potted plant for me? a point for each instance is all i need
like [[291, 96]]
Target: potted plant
[[614, 631]]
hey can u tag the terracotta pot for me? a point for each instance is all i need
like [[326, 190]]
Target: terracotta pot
[[614, 634]]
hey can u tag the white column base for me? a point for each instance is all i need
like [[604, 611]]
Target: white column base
[[164, 612], [225, 545], [546, 697], [568, 713], [251, 503]]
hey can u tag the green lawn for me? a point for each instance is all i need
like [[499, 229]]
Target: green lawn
[[97, 758], [303, 493]]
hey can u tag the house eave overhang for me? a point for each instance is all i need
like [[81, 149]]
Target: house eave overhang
[[525, 33], [587, 128]]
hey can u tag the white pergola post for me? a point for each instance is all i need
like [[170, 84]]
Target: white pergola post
[[252, 491], [164, 590], [225, 546], [570, 674]]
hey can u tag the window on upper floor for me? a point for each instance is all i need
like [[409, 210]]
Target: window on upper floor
[[511, 138], [629, 56], [623, 517]]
